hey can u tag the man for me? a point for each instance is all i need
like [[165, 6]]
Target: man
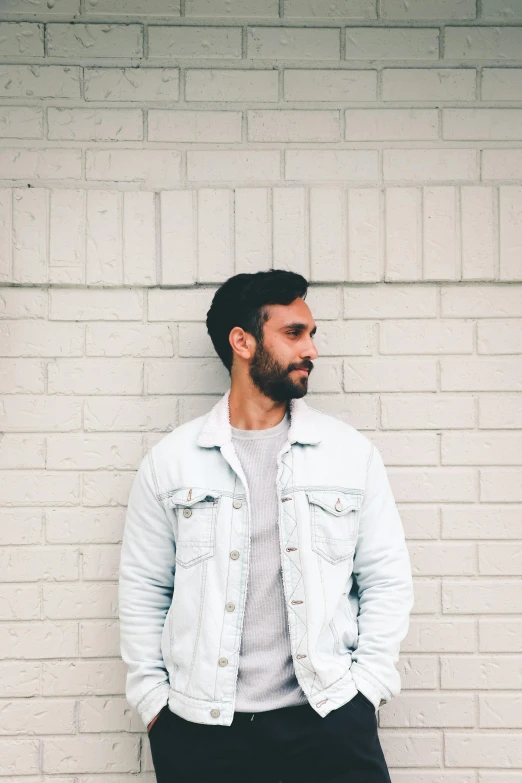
[[265, 584]]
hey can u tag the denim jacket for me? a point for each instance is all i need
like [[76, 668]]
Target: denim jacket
[[184, 566]]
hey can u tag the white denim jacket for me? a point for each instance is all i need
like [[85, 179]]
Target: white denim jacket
[[185, 558]]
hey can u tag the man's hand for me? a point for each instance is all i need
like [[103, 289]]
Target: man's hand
[[152, 722]]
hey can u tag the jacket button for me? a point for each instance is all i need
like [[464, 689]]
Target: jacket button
[[187, 512], [223, 661], [297, 602], [215, 713], [339, 506], [230, 607], [234, 554], [237, 503], [383, 701]]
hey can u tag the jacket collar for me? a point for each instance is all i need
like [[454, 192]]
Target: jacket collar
[[216, 429]]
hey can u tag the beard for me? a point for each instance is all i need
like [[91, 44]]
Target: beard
[[274, 380]]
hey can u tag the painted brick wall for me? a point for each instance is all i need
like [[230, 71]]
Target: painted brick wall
[[147, 152]]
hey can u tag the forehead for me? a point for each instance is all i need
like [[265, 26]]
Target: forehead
[[298, 310]]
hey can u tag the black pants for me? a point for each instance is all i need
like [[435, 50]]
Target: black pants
[[288, 745]]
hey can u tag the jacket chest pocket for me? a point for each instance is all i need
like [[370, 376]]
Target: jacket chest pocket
[[334, 520], [194, 524]]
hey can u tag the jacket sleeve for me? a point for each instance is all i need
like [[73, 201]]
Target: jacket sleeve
[[383, 572], [146, 583]]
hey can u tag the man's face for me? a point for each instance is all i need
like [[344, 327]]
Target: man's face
[[282, 362]]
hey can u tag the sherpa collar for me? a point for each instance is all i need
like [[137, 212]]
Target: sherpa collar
[[216, 429]]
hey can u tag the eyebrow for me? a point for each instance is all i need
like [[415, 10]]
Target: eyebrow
[[300, 326]]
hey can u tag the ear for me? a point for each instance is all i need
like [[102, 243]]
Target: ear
[[243, 343]]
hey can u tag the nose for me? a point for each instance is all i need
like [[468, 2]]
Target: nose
[[310, 351]]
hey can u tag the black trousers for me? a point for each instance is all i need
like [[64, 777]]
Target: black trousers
[[288, 745]]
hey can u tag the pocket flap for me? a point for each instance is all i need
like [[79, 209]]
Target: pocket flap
[[187, 497], [334, 501]]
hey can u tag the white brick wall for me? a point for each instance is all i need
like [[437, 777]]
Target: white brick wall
[[375, 146]]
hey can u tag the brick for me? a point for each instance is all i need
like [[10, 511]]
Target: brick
[[338, 338], [500, 485], [95, 124], [427, 411], [407, 448], [482, 124], [479, 595], [195, 42], [482, 521], [139, 238], [34, 338], [500, 635], [481, 301], [428, 9], [41, 6], [290, 247], [6, 230], [389, 124], [153, 167], [432, 165], [443, 558], [501, 84], [252, 244], [23, 303], [510, 207], [231, 85], [22, 122], [483, 43], [504, 164], [20, 526], [403, 208], [500, 411], [93, 452], [479, 251], [21, 39], [86, 526], [503, 374], [22, 452], [138, 414], [506, 11], [86, 678], [21, 376], [426, 336], [433, 485], [67, 229], [499, 336], [215, 235], [92, 304], [329, 85], [433, 710], [23, 564], [499, 710], [178, 238], [293, 43], [428, 84], [474, 448], [39, 640], [331, 165], [53, 163], [385, 301], [135, 340], [294, 125], [161, 7], [328, 250], [188, 305], [440, 238], [40, 487], [365, 43], [93, 755], [232, 8], [233, 165], [20, 603], [30, 235], [364, 255], [345, 9], [94, 40], [500, 559], [131, 84], [441, 635], [186, 376], [95, 376], [104, 243], [30, 414], [381, 375], [194, 126]]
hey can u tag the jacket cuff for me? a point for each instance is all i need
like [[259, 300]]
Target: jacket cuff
[[369, 686], [153, 702]]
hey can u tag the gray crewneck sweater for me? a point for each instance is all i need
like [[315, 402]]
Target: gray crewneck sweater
[[266, 677]]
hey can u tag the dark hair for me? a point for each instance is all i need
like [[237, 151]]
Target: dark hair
[[241, 300]]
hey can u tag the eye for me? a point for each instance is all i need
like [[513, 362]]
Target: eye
[[293, 332]]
